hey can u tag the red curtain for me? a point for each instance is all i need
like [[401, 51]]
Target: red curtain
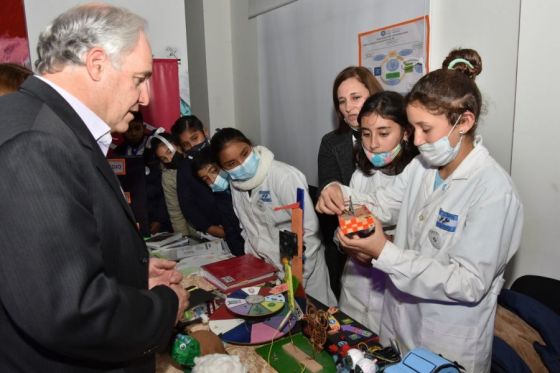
[[164, 107], [13, 33]]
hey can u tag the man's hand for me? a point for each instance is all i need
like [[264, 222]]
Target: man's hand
[[331, 200], [183, 297], [364, 249], [162, 272], [216, 231]]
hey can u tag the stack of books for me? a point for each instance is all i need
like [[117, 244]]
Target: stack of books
[[238, 272]]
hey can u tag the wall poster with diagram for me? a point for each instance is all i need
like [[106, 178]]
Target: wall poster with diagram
[[397, 54]]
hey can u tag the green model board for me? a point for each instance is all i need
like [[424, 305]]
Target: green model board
[[282, 362]]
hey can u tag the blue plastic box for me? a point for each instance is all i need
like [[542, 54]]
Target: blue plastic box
[[421, 360]]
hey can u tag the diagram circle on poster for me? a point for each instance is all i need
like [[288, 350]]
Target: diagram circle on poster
[[254, 301], [231, 328]]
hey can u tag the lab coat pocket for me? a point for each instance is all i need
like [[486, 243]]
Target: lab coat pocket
[[454, 342]]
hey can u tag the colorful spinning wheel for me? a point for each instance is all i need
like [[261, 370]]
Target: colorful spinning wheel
[[232, 329], [254, 301]]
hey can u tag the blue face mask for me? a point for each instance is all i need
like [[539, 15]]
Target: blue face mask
[[247, 169], [384, 158], [221, 182]]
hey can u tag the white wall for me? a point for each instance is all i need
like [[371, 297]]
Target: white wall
[[219, 63], [212, 58], [536, 156], [245, 71], [302, 47], [198, 82], [490, 27], [166, 25]]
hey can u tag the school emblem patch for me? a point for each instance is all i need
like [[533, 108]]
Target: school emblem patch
[[447, 221], [435, 238], [265, 196]]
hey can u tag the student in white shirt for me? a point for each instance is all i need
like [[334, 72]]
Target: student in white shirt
[[384, 150], [259, 183]]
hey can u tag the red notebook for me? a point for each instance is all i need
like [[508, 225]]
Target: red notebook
[[237, 272]]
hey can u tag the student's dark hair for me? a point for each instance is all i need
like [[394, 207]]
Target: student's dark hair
[[389, 105], [12, 75], [451, 92], [155, 142], [186, 122], [225, 136], [202, 159], [364, 75], [467, 54]]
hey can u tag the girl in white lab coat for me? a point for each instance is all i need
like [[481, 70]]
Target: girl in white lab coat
[[459, 222], [383, 152], [258, 185]]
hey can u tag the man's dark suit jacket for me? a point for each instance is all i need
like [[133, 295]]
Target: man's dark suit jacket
[[73, 267]]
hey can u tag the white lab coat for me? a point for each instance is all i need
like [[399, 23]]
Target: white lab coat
[[363, 287], [446, 264], [277, 186]]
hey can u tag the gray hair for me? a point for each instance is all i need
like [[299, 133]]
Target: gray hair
[[73, 33]]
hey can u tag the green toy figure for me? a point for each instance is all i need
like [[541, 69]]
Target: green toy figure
[[185, 349]]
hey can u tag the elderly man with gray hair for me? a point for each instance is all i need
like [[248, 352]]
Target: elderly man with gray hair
[[78, 292]]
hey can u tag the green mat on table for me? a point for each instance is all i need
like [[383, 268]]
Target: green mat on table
[[283, 362]]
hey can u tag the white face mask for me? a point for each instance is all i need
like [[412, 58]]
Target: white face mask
[[441, 152]]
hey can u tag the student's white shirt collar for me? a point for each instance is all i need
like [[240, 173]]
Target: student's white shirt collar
[[100, 130]]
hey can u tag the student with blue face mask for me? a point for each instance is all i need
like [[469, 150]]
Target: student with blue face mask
[[384, 150], [259, 183], [205, 168], [459, 221]]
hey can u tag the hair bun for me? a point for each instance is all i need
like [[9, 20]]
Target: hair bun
[[467, 61]]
